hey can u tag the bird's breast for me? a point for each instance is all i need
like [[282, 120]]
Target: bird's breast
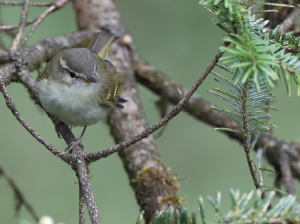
[[75, 105]]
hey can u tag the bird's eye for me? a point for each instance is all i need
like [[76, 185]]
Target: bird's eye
[[72, 75]]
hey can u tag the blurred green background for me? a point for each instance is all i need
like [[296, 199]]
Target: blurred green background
[[178, 38]]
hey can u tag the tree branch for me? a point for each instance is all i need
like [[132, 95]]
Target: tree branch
[[21, 200], [32, 57], [246, 143], [142, 161], [21, 25], [86, 189], [39, 4], [286, 173], [81, 204], [55, 6], [5, 27]]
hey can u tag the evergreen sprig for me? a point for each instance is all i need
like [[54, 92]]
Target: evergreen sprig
[[252, 56], [255, 49], [285, 49], [285, 211], [257, 117], [229, 14]]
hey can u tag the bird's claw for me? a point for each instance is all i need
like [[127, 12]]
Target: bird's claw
[[73, 145]]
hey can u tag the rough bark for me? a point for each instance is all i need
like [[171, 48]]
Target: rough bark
[[154, 187]]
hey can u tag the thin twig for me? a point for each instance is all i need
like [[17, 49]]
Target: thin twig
[[39, 4], [3, 27], [263, 11], [10, 104], [246, 143], [55, 6], [92, 157], [19, 195], [21, 26], [10, 33]]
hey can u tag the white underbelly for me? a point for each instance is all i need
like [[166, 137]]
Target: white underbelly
[[78, 116], [73, 106]]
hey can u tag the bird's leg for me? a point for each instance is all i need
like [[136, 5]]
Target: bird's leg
[[57, 127], [77, 142]]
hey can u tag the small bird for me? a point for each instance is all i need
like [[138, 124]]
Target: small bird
[[80, 85]]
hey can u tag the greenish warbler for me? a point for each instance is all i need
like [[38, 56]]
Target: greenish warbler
[[80, 85]]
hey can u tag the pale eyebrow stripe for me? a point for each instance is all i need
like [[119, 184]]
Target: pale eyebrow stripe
[[63, 64]]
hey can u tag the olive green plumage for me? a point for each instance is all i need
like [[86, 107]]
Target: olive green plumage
[[80, 87]]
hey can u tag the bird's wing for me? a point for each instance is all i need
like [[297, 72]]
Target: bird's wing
[[101, 43]]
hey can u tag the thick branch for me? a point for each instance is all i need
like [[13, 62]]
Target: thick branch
[[142, 160], [86, 190]]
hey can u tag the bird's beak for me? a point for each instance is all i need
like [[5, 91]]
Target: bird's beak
[[90, 79]]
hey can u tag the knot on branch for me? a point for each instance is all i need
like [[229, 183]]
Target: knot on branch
[[77, 158]]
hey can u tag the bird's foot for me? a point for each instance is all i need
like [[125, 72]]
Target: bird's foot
[[119, 102], [76, 143], [73, 145]]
